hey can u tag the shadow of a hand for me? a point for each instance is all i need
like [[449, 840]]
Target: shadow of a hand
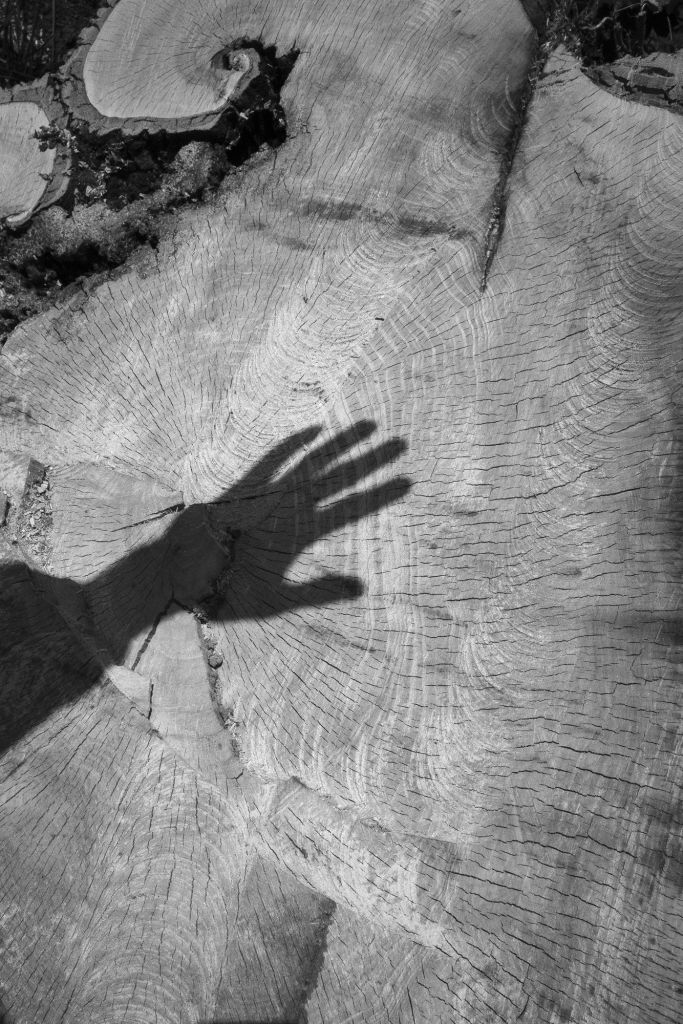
[[285, 504], [233, 558]]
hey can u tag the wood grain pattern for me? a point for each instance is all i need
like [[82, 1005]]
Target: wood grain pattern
[[473, 750], [156, 60], [25, 169], [379, 976], [656, 79], [101, 916]]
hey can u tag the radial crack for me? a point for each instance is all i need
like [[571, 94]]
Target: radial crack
[[152, 630], [161, 514], [496, 225]]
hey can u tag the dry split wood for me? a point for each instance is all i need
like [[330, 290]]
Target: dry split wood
[[25, 168], [447, 626], [163, 60]]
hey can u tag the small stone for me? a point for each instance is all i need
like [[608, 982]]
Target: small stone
[[215, 660]]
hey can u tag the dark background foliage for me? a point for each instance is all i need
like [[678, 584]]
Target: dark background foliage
[[605, 30], [36, 35]]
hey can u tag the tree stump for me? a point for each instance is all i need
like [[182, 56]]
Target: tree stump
[[340, 630], [25, 169]]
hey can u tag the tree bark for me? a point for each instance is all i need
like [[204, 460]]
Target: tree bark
[[340, 635]]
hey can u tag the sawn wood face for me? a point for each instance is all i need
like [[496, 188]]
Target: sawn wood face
[[446, 524]]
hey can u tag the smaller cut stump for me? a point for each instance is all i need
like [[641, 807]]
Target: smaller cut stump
[[25, 168]]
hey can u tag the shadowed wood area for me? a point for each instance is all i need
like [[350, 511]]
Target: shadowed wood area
[[340, 630]]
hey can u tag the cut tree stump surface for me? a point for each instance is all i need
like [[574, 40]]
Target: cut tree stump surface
[[25, 169], [422, 426], [656, 79], [161, 60]]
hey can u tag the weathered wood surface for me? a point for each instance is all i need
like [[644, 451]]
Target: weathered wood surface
[[162, 66], [126, 879], [454, 709], [159, 61], [656, 79], [25, 169]]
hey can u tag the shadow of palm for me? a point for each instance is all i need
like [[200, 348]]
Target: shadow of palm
[[296, 495]]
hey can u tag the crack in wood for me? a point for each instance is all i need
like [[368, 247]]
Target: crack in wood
[[496, 225], [161, 514], [148, 639], [567, 23]]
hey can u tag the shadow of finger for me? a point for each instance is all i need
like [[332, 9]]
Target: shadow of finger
[[359, 505]]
